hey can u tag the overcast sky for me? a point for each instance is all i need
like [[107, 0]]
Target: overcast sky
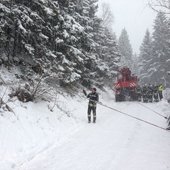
[[135, 16]]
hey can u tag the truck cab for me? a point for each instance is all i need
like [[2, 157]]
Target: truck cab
[[125, 85]]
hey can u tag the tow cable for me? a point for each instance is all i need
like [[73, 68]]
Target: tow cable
[[153, 111], [126, 114], [134, 117]]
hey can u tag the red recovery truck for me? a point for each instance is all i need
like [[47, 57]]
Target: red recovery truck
[[125, 86]]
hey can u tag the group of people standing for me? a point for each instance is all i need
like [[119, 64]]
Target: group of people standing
[[150, 93]]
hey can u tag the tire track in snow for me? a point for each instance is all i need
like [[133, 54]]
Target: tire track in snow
[[48, 148], [105, 145], [87, 143]]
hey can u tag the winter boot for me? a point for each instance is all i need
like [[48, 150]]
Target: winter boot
[[89, 119], [94, 119]]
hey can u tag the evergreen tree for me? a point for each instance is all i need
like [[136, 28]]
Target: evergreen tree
[[135, 64], [159, 63], [125, 49], [57, 38], [111, 55], [144, 57], [108, 57]]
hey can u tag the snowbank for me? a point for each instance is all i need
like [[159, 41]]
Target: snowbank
[[33, 128]]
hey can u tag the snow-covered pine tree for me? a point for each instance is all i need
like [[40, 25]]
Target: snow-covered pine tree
[[135, 63], [111, 55], [107, 49], [145, 57], [125, 49], [28, 28], [160, 60], [53, 37], [108, 57], [46, 34]]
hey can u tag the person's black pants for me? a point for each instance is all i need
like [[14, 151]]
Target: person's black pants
[[93, 110], [160, 95]]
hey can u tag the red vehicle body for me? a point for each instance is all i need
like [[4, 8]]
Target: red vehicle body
[[125, 86]]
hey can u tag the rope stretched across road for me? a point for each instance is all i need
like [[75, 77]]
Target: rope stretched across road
[[134, 117], [126, 114], [153, 111]]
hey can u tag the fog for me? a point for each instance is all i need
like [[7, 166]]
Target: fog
[[135, 16]]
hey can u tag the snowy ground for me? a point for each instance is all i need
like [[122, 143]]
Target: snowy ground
[[37, 139]]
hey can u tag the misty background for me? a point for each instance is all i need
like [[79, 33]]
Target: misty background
[[135, 16]]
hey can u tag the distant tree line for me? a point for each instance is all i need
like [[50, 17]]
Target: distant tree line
[[154, 58]]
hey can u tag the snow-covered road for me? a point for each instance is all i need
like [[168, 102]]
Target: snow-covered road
[[115, 142]]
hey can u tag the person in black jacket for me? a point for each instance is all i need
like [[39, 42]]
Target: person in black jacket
[[93, 99]]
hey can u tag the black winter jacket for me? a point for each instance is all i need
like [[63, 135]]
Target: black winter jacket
[[93, 97]]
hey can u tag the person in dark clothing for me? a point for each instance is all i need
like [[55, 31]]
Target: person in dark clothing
[[93, 99], [150, 93], [155, 93], [139, 93], [144, 93]]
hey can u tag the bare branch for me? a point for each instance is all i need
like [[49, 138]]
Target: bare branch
[[160, 5], [37, 86], [107, 15]]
